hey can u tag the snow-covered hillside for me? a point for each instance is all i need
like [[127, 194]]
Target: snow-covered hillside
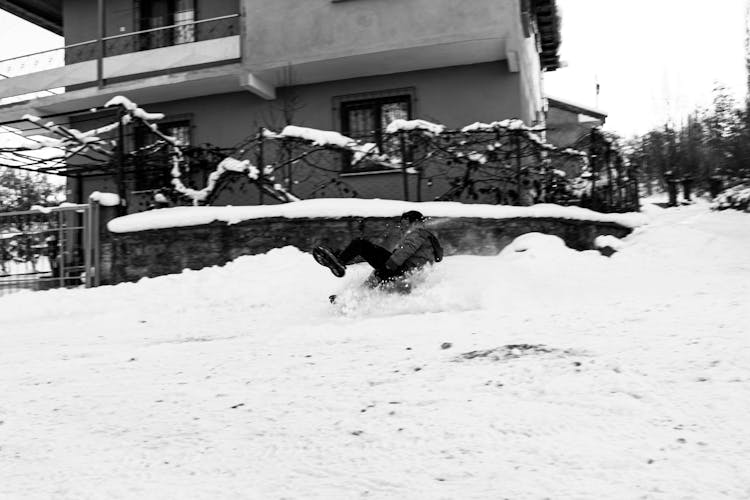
[[544, 373]]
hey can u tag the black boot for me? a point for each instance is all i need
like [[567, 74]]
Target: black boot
[[328, 258]]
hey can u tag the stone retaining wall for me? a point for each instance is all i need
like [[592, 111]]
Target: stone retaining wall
[[131, 256]]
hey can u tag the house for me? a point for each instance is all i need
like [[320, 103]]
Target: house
[[567, 122], [220, 69]]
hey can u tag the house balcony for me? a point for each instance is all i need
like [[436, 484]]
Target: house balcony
[[361, 39], [167, 63]]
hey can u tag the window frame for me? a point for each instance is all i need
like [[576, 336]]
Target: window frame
[[371, 100]]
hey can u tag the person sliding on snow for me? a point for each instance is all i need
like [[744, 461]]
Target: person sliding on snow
[[416, 248]]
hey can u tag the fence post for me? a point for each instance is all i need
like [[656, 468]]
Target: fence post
[[289, 170], [61, 244], [594, 167], [519, 177], [96, 243], [88, 230], [121, 191], [402, 142], [633, 177], [545, 182], [261, 167], [671, 180], [620, 170], [419, 184], [608, 162]]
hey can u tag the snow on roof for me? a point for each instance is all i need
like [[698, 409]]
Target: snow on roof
[[510, 124], [37, 146], [347, 207], [576, 107], [13, 140]]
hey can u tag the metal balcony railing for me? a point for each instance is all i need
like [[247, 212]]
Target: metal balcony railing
[[187, 31], [174, 34]]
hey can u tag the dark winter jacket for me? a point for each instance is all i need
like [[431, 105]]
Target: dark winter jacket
[[414, 250]]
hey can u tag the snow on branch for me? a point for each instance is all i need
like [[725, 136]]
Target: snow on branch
[[36, 151], [316, 136], [228, 164], [177, 156], [133, 108], [408, 125]]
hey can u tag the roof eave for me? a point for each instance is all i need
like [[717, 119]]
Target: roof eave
[[47, 15], [577, 108], [548, 23]]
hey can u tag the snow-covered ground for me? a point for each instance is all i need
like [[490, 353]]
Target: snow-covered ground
[[544, 373]]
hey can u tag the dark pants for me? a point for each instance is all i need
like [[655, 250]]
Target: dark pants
[[373, 254]]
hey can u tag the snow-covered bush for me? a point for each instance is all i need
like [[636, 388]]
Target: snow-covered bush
[[737, 197]]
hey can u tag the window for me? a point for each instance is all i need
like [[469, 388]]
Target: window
[[180, 131], [367, 119], [160, 13], [184, 17]]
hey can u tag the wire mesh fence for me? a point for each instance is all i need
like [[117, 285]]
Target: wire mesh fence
[[43, 249], [501, 163]]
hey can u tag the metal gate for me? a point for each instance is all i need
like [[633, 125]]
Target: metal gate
[[49, 248]]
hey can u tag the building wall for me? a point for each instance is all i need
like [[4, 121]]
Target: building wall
[[557, 116], [284, 32], [287, 31], [455, 97], [207, 9], [565, 127]]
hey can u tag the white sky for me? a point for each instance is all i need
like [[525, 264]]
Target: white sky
[[19, 37], [654, 59]]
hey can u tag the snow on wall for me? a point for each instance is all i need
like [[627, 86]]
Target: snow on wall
[[134, 255], [345, 207]]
